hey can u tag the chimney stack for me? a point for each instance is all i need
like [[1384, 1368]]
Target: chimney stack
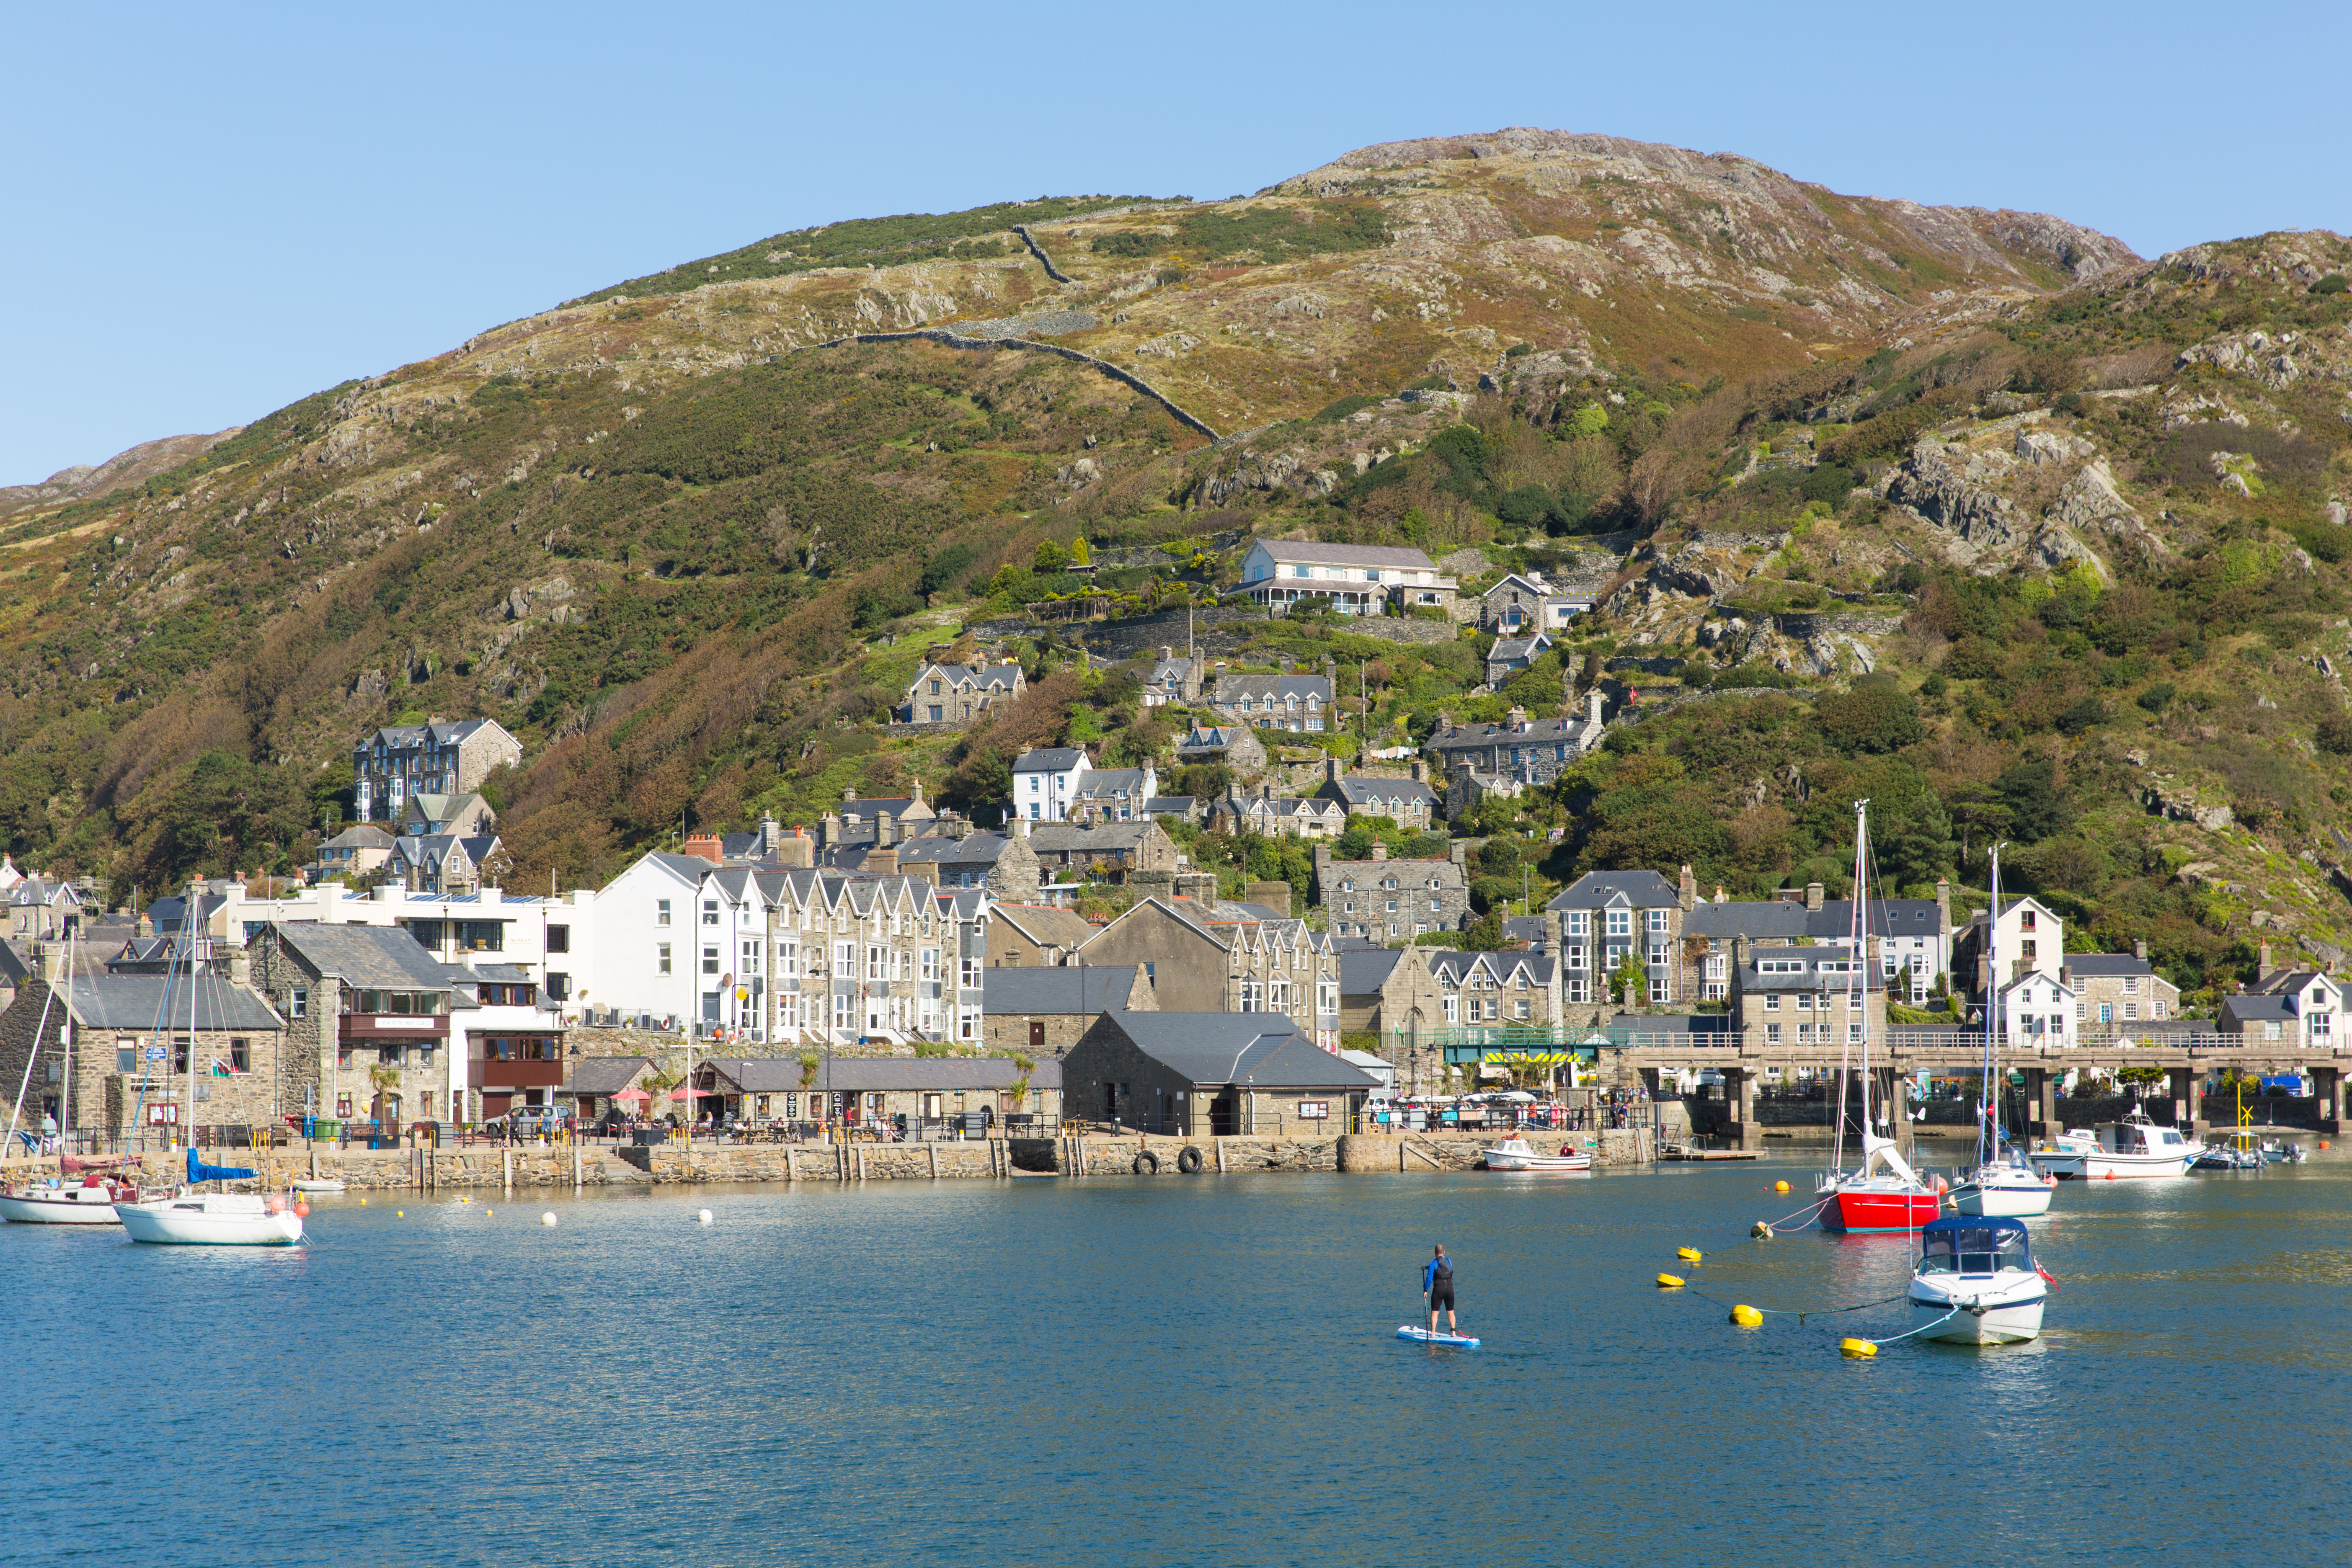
[[240, 966], [770, 833], [798, 850], [52, 959], [1687, 890], [1592, 707], [1379, 849], [956, 825], [882, 860], [1020, 825], [1201, 886], [1813, 897], [2139, 949], [1331, 770], [1418, 775], [886, 830], [1943, 906], [2262, 967], [704, 846]]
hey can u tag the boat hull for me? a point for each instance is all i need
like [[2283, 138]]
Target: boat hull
[[2021, 1200], [2105, 1165], [17, 1209], [1865, 1212], [2064, 1163], [200, 1223], [2010, 1322], [1496, 1162]]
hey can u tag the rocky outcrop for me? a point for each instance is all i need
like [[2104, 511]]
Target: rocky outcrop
[[1275, 470], [2168, 800]]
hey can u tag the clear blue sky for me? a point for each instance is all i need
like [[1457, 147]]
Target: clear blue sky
[[214, 211]]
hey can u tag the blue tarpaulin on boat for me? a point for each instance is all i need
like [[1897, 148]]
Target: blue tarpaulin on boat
[[199, 1171]]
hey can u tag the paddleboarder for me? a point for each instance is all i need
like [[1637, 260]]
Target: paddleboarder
[[1437, 1284]]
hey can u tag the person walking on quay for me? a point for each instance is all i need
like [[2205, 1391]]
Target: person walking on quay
[[1437, 1284]]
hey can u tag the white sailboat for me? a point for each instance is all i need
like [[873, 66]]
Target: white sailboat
[[1999, 1186]]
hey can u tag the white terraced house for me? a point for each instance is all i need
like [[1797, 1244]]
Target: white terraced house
[[1358, 580], [1047, 782]]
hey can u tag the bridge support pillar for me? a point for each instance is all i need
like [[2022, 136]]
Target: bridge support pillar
[[2044, 1089], [2184, 1103], [1898, 1110], [2329, 1082], [1739, 1090]]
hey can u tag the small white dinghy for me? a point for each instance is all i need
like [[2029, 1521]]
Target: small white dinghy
[[1518, 1155], [319, 1185]]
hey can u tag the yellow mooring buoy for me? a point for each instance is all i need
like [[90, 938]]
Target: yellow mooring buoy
[[1746, 1318], [1780, 1187], [1856, 1349], [1669, 1283], [1690, 1254], [400, 1214]]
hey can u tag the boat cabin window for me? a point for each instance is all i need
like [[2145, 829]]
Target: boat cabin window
[[1972, 1251]]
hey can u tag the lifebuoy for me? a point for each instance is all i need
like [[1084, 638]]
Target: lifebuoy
[[1189, 1161], [1146, 1163]]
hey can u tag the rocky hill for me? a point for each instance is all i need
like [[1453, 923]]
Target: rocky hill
[[2050, 505]]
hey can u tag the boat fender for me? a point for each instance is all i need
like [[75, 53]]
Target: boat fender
[[1761, 1230], [1670, 1283], [1746, 1318], [1689, 1254], [1188, 1160], [277, 1204], [1146, 1163], [1856, 1349]]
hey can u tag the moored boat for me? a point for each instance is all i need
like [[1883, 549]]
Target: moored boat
[[319, 1185], [89, 1201], [2010, 1188], [1977, 1282], [2134, 1146], [212, 1219], [1884, 1194], [1518, 1155]]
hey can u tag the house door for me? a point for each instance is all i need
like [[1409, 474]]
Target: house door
[[1225, 1114], [1037, 1033]]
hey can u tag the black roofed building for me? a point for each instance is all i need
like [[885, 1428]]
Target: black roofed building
[[1409, 802], [1519, 749], [1035, 1009], [595, 1080], [1210, 1075], [898, 1092]]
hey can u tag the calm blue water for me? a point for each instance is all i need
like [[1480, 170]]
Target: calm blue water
[[1172, 1371]]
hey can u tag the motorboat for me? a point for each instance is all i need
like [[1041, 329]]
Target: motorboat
[[2277, 1153], [2050, 1160], [1883, 1194], [2134, 1146], [89, 1201], [2237, 1152], [1519, 1154], [1977, 1282], [2010, 1188], [212, 1219]]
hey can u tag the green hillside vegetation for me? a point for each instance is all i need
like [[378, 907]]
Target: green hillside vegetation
[[870, 242]]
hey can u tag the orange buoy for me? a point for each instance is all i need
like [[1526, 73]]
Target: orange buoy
[[1942, 1186], [2111, 1175], [301, 1208]]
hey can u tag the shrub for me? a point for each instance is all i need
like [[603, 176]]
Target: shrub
[[1127, 242], [1516, 349], [2332, 284], [946, 569], [1829, 482], [2335, 734], [2030, 790], [1339, 411], [2088, 714], [1872, 718], [2156, 698]]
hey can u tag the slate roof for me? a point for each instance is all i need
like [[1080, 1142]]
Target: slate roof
[[1079, 838], [937, 849], [1073, 989], [863, 1074], [1110, 781], [1365, 791], [1264, 1049], [1233, 689], [2257, 1009], [1517, 647], [359, 836], [1539, 732], [379, 958], [1183, 806], [1809, 977], [133, 1002], [1595, 889], [1529, 928], [1363, 970], [2103, 965], [987, 677], [1050, 760], [1315, 553], [13, 970], [1046, 924], [598, 1076]]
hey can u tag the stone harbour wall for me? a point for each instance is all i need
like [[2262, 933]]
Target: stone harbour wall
[[549, 1169]]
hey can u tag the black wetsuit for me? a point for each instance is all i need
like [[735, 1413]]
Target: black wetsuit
[[1438, 1279]]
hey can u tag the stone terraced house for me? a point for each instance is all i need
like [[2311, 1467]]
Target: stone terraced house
[[1203, 954], [1391, 900], [960, 694], [440, 758]]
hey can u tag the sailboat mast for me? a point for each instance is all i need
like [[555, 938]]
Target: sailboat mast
[[66, 1032], [188, 943], [1856, 997], [1989, 1144]]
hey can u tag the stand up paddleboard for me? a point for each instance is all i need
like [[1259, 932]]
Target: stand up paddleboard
[[1459, 1342]]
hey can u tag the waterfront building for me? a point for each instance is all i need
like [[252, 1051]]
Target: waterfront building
[[2038, 1010], [1497, 990], [1991, 951], [2119, 991], [2295, 1008], [1790, 996], [1210, 1075], [909, 1093], [1389, 991], [1031, 1010], [595, 1080], [113, 1022]]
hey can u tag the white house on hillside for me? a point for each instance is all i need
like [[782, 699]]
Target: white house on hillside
[[1358, 580], [1046, 782]]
